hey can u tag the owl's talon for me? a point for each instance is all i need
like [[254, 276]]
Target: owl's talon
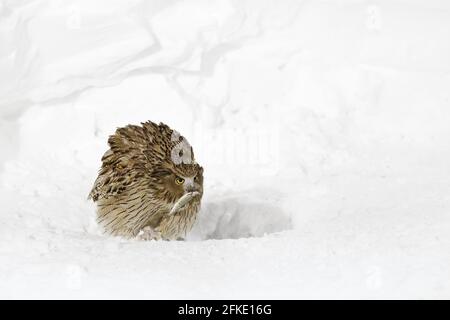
[[148, 233]]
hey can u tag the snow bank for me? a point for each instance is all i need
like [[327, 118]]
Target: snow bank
[[322, 128]]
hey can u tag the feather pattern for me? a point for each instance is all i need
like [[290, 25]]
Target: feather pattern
[[136, 188]]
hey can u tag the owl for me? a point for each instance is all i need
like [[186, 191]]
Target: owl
[[149, 185]]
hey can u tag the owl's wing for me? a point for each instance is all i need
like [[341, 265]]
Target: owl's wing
[[113, 180], [111, 184], [122, 165]]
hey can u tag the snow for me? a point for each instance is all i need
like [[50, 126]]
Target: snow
[[322, 127]]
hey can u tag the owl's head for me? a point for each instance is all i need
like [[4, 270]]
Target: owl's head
[[174, 168], [181, 179]]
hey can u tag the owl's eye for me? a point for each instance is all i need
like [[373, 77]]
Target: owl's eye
[[179, 181], [195, 178]]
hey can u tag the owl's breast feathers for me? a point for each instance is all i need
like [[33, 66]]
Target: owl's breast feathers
[[177, 225]]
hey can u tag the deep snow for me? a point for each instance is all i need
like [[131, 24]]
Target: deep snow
[[323, 128]]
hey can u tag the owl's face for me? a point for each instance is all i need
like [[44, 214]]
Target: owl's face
[[183, 179]]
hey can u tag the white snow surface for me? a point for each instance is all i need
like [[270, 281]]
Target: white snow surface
[[323, 128]]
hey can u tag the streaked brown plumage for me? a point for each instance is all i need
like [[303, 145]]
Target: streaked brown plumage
[[145, 172]]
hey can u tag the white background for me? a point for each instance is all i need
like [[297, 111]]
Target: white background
[[323, 128]]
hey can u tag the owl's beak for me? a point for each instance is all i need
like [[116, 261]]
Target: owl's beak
[[191, 186]]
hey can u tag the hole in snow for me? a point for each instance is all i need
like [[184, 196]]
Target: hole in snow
[[235, 218]]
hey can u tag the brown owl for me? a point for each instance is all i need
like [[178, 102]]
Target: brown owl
[[149, 185]]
